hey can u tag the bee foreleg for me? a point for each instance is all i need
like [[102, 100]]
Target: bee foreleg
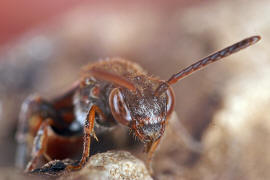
[[88, 132], [150, 149]]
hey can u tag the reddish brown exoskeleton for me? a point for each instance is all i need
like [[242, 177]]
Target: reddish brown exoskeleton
[[110, 92]]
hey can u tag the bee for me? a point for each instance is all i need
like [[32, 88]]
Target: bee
[[109, 93]]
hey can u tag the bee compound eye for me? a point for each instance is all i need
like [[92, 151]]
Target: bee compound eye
[[119, 108], [170, 101]]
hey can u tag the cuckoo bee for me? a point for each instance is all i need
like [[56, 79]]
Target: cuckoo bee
[[110, 92]]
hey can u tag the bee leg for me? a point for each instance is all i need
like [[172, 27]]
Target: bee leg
[[88, 132], [150, 148], [39, 146], [34, 112]]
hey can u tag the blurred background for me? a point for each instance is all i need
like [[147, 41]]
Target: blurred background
[[44, 44]]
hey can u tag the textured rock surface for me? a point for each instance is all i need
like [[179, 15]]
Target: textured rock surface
[[112, 165]]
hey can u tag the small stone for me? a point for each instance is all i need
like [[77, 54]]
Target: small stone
[[112, 165]]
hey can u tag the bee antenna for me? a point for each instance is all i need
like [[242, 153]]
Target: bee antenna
[[114, 78], [205, 61]]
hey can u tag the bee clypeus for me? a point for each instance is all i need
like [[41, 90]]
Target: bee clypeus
[[110, 92]]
